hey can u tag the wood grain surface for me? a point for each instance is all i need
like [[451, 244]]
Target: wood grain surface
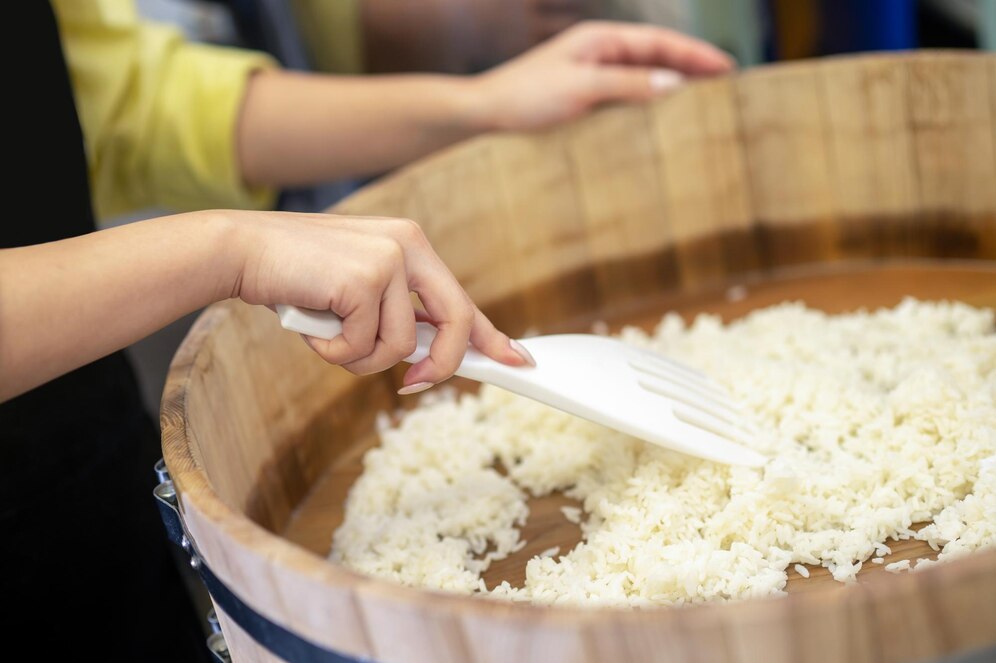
[[627, 213]]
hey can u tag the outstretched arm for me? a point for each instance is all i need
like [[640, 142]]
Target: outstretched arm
[[67, 303], [297, 129]]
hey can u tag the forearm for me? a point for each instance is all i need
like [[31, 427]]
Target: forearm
[[300, 129], [67, 303]]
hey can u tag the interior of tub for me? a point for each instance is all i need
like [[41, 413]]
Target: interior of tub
[[615, 222]]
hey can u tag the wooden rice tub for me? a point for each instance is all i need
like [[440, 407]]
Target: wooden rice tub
[[844, 182]]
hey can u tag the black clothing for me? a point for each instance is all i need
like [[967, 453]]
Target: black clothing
[[83, 552]]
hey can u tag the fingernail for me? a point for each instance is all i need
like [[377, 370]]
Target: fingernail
[[415, 388], [662, 80], [521, 351]]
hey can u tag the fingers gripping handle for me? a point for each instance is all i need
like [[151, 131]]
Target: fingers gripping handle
[[327, 325], [320, 324]]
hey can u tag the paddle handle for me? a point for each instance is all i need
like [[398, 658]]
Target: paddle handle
[[327, 325]]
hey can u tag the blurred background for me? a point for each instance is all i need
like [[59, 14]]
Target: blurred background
[[468, 36], [465, 36]]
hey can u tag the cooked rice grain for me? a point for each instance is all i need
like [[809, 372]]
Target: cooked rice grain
[[873, 421]]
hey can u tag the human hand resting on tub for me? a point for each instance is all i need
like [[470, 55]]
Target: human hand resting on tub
[[297, 129], [592, 63], [64, 304]]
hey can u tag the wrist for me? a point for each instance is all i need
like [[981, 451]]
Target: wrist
[[474, 107], [221, 251]]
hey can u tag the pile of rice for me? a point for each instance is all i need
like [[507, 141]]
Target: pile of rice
[[872, 421]]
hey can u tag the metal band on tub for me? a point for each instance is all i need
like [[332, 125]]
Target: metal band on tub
[[278, 640]]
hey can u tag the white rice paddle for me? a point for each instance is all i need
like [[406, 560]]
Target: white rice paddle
[[601, 379]]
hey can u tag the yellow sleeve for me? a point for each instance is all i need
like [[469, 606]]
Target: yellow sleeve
[[332, 31], [158, 113]]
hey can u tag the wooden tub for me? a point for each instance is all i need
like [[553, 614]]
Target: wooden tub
[[844, 182]]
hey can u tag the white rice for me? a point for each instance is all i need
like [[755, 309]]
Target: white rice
[[572, 514], [873, 421], [801, 570], [897, 567]]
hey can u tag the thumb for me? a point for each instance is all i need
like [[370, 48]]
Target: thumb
[[622, 83]]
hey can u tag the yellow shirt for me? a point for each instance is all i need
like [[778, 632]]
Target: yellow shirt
[[158, 113]]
